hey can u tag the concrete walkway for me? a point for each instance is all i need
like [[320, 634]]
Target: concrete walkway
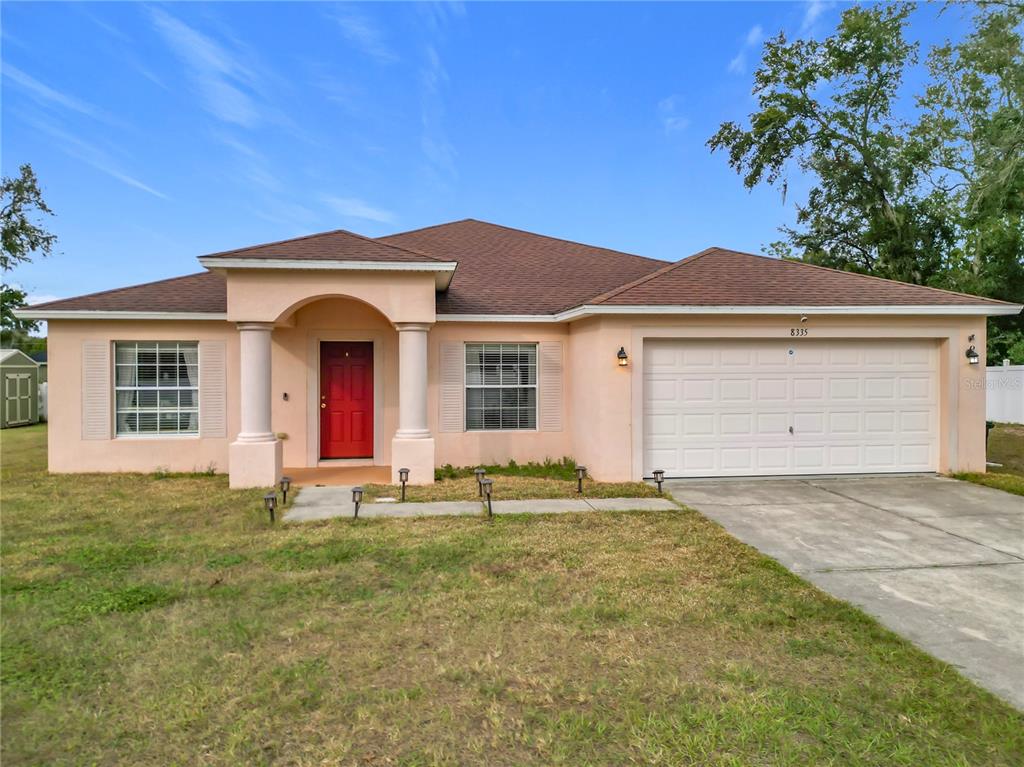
[[939, 561], [317, 503]]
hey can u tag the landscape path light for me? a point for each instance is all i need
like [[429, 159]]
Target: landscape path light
[[270, 503], [357, 498], [487, 485], [286, 483], [659, 477], [480, 472], [403, 477], [581, 472]]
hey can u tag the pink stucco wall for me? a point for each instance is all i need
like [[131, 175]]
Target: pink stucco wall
[[602, 401], [68, 452]]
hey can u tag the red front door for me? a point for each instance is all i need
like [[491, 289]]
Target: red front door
[[346, 399]]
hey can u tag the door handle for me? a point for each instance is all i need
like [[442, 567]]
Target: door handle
[[323, 405], [790, 429]]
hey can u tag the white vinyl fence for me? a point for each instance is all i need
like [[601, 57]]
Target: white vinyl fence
[[42, 402], [1005, 394]]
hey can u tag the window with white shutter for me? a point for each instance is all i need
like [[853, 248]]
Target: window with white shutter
[[501, 386], [156, 387]]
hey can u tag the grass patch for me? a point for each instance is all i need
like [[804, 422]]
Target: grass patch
[[1011, 483], [165, 621], [564, 469], [1006, 446]]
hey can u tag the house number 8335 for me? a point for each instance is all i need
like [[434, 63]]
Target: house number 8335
[[798, 331]]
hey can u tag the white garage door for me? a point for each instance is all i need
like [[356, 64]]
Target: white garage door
[[748, 408]]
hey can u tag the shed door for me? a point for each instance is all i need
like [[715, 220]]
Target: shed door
[[18, 398], [757, 408]]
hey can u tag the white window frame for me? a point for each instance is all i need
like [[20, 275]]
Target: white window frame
[[158, 434], [466, 386]]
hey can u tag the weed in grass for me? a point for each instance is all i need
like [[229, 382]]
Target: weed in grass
[[125, 599]]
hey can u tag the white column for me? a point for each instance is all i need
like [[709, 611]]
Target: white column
[[412, 380], [412, 447], [254, 346], [254, 458]]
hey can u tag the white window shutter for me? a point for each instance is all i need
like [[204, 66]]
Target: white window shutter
[[453, 376], [549, 387], [213, 389], [96, 390]]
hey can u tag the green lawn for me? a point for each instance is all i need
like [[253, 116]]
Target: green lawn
[[1005, 446], [163, 621]]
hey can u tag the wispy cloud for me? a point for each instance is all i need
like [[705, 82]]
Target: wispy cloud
[[95, 157], [47, 96], [224, 82], [668, 113], [352, 207], [434, 141], [738, 63], [359, 30], [812, 12]]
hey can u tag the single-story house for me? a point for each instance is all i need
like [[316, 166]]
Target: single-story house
[[468, 343]]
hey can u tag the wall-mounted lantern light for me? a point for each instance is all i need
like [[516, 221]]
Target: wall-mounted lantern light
[[972, 355], [659, 477], [487, 486], [270, 503], [581, 472], [480, 472], [622, 357], [403, 477], [357, 498], [286, 483]]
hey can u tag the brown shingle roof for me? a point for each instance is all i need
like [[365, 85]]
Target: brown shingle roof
[[509, 271], [338, 245], [203, 292], [720, 277]]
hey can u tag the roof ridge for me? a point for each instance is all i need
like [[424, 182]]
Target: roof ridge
[[602, 297], [319, 234], [532, 234], [123, 287], [425, 228]]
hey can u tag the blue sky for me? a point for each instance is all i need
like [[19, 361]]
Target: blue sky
[[162, 132]]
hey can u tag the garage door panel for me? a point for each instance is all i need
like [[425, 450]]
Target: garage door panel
[[809, 457], [880, 422], [698, 425], [736, 390], [698, 390], [809, 423], [915, 387], [854, 406], [809, 388], [772, 389]]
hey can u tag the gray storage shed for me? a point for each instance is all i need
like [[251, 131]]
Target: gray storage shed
[[19, 386]]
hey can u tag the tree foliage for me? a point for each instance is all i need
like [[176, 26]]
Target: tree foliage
[[936, 198], [21, 237]]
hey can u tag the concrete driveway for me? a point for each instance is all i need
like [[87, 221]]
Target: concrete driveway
[[939, 561]]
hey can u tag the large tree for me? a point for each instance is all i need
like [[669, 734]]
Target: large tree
[[930, 193], [22, 237]]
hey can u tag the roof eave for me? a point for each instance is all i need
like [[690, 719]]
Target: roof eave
[[442, 270], [588, 310], [107, 314]]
